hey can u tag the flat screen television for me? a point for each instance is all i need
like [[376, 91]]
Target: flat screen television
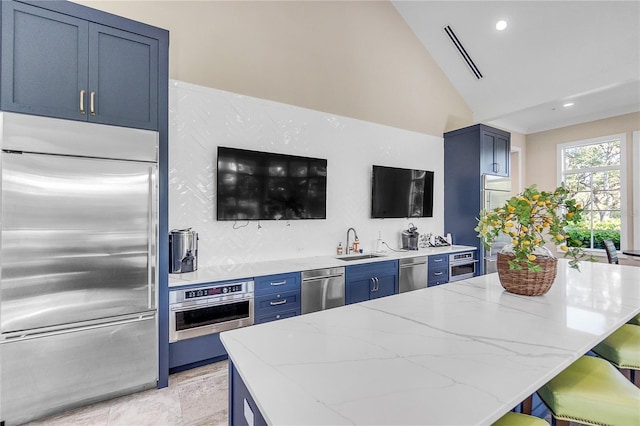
[[398, 193], [254, 185]]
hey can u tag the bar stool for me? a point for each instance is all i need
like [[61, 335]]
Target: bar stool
[[591, 391], [517, 419], [622, 349]]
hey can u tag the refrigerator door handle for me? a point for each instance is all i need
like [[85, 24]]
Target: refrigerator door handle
[[19, 336], [151, 255]]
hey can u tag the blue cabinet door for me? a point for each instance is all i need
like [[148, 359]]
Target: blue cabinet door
[[58, 65], [358, 290], [385, 286], [123, 78], [44, 62]]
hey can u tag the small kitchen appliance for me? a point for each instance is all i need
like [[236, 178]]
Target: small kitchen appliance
[[183, 251], [410, 238]]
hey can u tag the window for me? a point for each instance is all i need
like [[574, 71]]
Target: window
[[594, 171]]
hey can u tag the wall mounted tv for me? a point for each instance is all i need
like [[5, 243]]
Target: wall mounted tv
[[255, 185], [398, 193]]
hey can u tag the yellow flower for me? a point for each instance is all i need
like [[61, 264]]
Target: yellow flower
[[570, 214], [531, 257], [564, 248], [540, 203], [523, 228], [509, 224], [535, 197], [578, 206], [511, 209], [526, 242], [559, 237], [514, 241]]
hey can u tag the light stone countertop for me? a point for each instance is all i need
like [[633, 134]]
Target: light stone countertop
[[256, 269], [457, 354]]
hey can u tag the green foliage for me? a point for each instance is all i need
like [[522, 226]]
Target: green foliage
[[531, 219]]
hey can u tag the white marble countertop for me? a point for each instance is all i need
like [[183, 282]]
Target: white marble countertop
[[256, 269], [457, 354]]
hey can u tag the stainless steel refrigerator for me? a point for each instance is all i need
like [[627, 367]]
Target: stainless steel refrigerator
[[78, 264], [496, 190]]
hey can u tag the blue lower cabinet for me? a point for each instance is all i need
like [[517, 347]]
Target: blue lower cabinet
[[190, 353], [371, 281], [243, 410], [437, 270], [276, 297]]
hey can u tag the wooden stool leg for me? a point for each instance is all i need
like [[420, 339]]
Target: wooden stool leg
[[527, 405], [555, 422]]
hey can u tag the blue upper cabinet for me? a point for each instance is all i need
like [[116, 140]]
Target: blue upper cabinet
[[60, 65], [495, 147]]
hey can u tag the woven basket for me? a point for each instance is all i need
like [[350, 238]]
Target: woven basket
[[522, 281]]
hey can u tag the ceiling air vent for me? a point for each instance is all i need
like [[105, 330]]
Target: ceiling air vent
[[454, 39]]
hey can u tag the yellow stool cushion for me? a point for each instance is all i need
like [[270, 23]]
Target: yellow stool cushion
[[622, 348], [635, 320], [593, 392], [517, 419]]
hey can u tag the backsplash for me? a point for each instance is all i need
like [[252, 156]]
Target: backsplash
[[201, 119]]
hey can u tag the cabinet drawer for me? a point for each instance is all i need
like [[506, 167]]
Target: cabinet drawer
[[277, 302], [437, 275], [270, 284], [439, 260], [276, 316]]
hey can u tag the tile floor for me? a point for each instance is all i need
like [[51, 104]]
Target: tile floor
[[194, 397]]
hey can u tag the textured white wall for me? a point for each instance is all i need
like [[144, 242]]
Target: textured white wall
[[201, 119]]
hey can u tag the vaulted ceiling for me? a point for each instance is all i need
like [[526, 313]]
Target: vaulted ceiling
[[551, 53]]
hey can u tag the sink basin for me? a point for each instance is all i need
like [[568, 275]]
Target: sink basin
[[359, 257]]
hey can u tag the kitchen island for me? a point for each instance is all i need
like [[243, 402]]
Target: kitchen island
[[462, 353]]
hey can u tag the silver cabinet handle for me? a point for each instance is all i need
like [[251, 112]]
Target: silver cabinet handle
[[82, 111], [92, 103], [373, 281], [438, 260], [437, 274], [278, 283], [282, 302]]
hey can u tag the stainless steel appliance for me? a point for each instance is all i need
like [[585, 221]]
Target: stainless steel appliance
[[461, 266], [413, 273], [322, 289], [410, 238], [496, 191], [183, 251], [210, 309], [78, 264]]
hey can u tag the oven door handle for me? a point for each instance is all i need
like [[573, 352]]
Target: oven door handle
[[180, 307]]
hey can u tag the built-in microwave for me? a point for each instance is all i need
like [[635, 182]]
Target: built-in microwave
[[462, 266]]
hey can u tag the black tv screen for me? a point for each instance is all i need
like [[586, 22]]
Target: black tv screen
[[255, 185], [398, 193]]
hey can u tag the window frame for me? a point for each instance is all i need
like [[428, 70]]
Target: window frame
[[622, 137]]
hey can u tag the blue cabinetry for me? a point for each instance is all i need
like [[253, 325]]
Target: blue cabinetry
[[437, 270], [469, 154], [371, 281], [60, 65], [276, 297]]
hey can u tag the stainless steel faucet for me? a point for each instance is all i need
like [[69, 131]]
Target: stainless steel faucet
[[355, 234]]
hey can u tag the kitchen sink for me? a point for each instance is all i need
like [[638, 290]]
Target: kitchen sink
[[359, 257]]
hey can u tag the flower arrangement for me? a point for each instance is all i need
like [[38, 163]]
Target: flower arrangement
[[530, 219]]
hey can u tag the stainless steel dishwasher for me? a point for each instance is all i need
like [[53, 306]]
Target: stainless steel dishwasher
[[322, 289], [413, 273]]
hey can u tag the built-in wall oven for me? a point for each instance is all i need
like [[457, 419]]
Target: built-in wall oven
[[199, 311], [461, 266]]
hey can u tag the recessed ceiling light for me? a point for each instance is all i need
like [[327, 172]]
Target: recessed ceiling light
[[568, 104], [501, 25]]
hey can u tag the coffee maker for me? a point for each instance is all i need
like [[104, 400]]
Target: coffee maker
[[183, 251], [410, 238]]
